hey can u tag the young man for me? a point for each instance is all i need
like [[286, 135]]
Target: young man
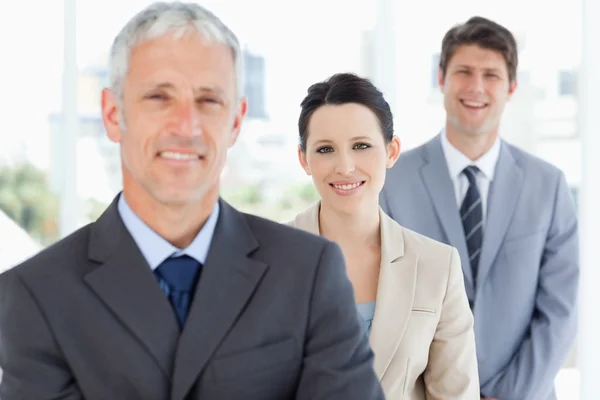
[[508, 213]]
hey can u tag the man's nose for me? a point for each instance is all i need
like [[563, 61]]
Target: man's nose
[[477, 83], [186, 119]]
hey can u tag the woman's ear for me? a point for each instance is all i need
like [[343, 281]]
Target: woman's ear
[[302, 159], [393, 151]]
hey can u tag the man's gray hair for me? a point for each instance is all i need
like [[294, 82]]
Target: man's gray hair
[[175, 18]]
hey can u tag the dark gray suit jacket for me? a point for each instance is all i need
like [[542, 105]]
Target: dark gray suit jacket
[[273, 317]]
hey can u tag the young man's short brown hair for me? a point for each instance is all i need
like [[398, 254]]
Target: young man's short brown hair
[[486, 34]]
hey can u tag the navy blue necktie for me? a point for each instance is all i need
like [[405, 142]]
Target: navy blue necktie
[[471, 213], [177, 276]]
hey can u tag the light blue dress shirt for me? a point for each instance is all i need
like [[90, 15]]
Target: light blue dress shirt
[[367, 312], [154, 248]]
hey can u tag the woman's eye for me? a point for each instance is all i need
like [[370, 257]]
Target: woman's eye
[[325, 149]]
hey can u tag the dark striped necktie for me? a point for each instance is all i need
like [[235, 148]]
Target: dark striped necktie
[[471, 213]]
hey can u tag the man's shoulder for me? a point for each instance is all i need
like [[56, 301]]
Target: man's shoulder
[[280, 235], [530, 162], [407, 165], [413, 155], [291, 251], [55, 257]]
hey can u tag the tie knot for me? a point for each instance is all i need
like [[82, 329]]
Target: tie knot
[[179, 272], [471, 172]]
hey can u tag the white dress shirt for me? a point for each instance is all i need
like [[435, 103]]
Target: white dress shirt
[[457, 162]]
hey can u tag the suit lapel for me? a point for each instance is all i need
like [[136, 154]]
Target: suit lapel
[[441, 191], [227, 282], [125, 283], [395, 295], [309, 220], [395, 289], [502, 200]]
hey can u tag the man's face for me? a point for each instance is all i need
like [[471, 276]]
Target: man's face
[[476, 87], [180, 114]]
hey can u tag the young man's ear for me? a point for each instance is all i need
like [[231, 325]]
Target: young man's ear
[[512, 88]]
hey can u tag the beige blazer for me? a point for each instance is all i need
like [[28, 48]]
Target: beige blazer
[[422, 331]]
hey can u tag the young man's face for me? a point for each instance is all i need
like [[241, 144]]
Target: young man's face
[[476, 87]]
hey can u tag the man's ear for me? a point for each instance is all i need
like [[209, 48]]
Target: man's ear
[[240, 113], [441, 79], [111, 116], [512, 88]]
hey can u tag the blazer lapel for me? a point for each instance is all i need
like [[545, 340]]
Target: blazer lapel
[[226, 284], [309, 220], [395, 290], [124, 282], [441, 191], [395, 294], [502, 200]]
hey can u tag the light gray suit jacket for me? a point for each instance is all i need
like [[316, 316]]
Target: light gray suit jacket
[[524, 299], [273, 317]]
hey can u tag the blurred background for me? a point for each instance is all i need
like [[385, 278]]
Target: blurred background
[[58, 171]]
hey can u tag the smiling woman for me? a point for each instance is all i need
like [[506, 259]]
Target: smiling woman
[[351, 142], [409, 288]]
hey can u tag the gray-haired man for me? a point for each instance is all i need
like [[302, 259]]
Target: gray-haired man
[[172, 293]]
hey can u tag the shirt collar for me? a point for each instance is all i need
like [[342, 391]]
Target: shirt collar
[[457, 161], [156, 249]]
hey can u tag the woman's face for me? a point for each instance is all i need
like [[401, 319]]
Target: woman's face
[[347, 156]]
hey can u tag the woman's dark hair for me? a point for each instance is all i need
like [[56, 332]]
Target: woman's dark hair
[[342, 89]]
